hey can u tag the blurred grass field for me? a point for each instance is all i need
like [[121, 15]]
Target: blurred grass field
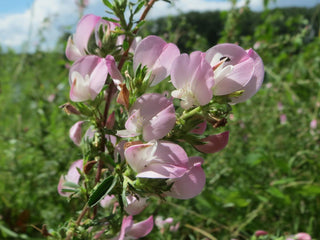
[[266, 178]]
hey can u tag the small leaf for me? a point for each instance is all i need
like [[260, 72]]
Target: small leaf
[[125, 45], [138, 8], [103, 188], [107, 3], [70, 185], [110, 19]]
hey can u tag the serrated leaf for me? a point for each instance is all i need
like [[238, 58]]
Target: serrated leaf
[[103, 188]]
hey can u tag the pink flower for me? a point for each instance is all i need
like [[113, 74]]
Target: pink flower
[[157, 55], [192, 76], [260, 233], [87, 77], [160, 223], [235, 69], [283, 119], [157, 159], [129, 230], [72, 176], [77, 45], [214, 143], [200, 128], [135, 205], [152, 115], [191, 183], [303, 236], [107, 201], [313, 124], [75, 132]]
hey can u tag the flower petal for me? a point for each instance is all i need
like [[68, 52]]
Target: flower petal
[[148, 51], [214, 143], [98, 78], [141, 229], [84, 30], [190, 184], [255, 82], [75, 132]]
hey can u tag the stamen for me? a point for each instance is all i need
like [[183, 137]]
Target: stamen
[[222, 60]]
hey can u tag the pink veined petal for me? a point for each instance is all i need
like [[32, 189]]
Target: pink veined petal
[[98, 78], [150, 104], [214, 143], [172, 153], [148, 51], [135, 206], [106, 201], [84, 30], [85, 65], [303, 236], [75, 132], [157, 159], [160, 125], [134, 122], [235, 53], [191, 183], [179, 71], [260, 233], [126, 225], [168, 55], [237, 79], [79, 90], [202, 81], [72, 51], [162, 66], [242, 65], [113, 70], [200, 128], [162, 170], [72, 176], [141, 229], [153, 115], [60, 187], [255, 82]]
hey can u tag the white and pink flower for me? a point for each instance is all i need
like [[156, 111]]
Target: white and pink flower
[[157, 159], [157, 55], [77, 45], [87, 77], [191, 183], [152, 116], [235, 69], [193, 79], [72, 176]]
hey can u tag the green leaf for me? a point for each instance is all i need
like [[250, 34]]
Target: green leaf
[[103, 188], [138, 8], [71, 185], [108, 4], [125, 45], [110, 19]]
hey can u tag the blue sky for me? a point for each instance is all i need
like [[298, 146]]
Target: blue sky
[[22, 19]]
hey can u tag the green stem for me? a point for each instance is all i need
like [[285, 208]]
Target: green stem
[[186, 115]]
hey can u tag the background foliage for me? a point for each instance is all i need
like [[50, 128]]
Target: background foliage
[[267, 177]]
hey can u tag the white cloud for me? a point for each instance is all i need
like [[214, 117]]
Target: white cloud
[[23, 28], [17, 29]]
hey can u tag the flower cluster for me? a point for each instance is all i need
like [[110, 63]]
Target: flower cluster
[[135, 139]]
